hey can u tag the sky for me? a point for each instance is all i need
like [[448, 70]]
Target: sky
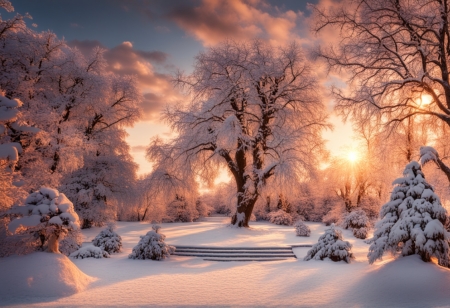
[[153, 39]]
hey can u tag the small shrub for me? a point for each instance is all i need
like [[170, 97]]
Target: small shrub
[[331, 245], [89, 251], [301, 229], [280, 217], [108, 240], [357, 220], [152, 246]]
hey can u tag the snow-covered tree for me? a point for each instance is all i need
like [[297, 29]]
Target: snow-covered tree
[[331, 245], [301, 229], [47, 213], [412, 221], [152, 246], [255, 110], [66, 112], [358, 221], [396, 59], [108, 240]]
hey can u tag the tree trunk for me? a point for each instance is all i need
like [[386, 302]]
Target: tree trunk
[[53, 244], [244, 210]]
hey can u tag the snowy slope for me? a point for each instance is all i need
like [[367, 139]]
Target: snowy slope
[[187, 281]]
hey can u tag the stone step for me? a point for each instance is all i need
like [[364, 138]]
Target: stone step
[[234, 248], [225, 255], [232, 251], [243, 259]]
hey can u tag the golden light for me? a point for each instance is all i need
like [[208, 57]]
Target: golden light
[[426, 99], [352, 156]]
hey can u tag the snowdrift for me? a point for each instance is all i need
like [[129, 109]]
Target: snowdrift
[[41, 274]]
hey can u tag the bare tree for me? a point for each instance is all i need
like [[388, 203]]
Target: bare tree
[[256, 109], [395, 53]]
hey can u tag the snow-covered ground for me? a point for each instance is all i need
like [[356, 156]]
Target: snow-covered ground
[[189, 281]]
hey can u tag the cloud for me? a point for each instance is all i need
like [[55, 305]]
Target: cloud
[[124, 59], [215, 20]]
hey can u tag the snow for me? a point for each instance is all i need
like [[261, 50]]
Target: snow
[[190, 281], [39, 275], [9, 152]]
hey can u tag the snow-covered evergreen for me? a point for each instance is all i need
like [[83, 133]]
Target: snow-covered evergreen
[[280, 217], [90, 251], [331, 245], [301, 229], [49, 214], [152, 246], [358, 221], [412, 221], [108, 240]]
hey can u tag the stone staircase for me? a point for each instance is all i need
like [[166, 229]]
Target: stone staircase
[[237, 253]]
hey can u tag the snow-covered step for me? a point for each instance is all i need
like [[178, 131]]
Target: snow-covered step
[[234, 248], [227, 255], [236, 253], [244, 259], [233, 251]]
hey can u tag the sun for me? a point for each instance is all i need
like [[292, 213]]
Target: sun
[[426, 99], [352, 156]]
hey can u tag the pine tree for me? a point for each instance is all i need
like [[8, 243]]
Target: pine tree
[[331, 245], [152, 246], [412, 221], [108, 240]]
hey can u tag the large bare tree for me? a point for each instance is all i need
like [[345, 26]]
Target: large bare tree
[[395, 53], [254, 109]]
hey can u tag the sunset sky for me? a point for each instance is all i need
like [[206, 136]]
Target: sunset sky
[[153, 39]]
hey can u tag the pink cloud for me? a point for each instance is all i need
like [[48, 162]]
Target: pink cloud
[[214, 20], [124, 59]]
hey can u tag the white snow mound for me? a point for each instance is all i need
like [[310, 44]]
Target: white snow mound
[[41, 274]]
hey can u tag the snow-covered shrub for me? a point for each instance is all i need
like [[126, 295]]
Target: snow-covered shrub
[[180, 210], [332, 217], [152, 246], [358, 221], [71, 242], [252, 217], [331, 245], [48, 214], [89, 251], [108, 240], [280, 217], [412, 221], [301, 229]]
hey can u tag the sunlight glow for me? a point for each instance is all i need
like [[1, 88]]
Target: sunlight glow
[[425, 99], [352, 156]]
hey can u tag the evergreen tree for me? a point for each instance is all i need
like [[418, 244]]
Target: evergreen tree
[[412, 221], [331, 245]]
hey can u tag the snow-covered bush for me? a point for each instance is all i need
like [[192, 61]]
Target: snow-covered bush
[[47, 213], [332, 217], [152, 246], [108, 240], [89, 251], [331, 245], [412, 222], [71, 242], [358, 221], [181, 210], [280, 217], [301, 229]]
